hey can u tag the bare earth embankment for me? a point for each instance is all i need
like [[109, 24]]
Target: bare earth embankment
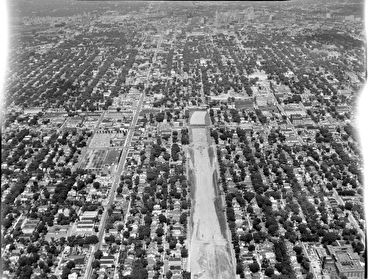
[[210, 255]]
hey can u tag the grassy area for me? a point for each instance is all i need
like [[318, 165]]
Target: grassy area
[[209, 138], [112, 157], [191, 179], [211, 154], [207, 119], [191, 155], [215, 183], [221, 216], [219, 206]]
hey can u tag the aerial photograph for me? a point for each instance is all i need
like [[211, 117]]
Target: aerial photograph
[[183, 139]]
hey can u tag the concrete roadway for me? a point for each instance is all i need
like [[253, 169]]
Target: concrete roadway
[[115, 184], [121, 165]]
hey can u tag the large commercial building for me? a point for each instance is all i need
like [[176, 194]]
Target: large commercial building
[[346, 262]]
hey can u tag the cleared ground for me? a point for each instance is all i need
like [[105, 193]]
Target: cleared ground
[[261, 75], [100, 140], [209, 250], [198, 118], [112, 157]]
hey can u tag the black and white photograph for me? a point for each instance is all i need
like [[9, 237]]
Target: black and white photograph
[[183, 139]]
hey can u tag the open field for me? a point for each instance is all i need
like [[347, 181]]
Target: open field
[[210, 255], [112, 157], [100, 140], [199, 117], [261, 75]]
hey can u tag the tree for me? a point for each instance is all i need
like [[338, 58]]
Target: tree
[[96, 264], [160, 231], [144, 231], [70, 264], [269, 271], [254, 267], [184, 204], [126, 234], [93, 239], [162, 218], [172, 243], [166, 156], [169, 274], [139, 271], [298, 249], [181, 239], [147, 219], [62, 241], [273, 229], [184, 252], [120, 227], [359, 247], [26, 272], [109, 239], [329, 238], [98, 254], [239, 268], [32, 249], [46, 194], [348, 206], [7, 222], [183, 218], [96, 185], [160, 117]]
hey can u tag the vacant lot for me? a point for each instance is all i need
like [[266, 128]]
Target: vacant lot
[[112, 157], [209, 249], [100, 140], [198, 118]]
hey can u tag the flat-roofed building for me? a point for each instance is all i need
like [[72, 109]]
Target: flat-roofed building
[[89, 215], [347, 262], [84, 228], [175, 265], [297, 119], [107, 261], [294, 109], [29, 226], [32, 110], [87, 222]]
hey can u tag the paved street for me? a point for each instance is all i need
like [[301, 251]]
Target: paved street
[[120, 168], [113, 189]]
